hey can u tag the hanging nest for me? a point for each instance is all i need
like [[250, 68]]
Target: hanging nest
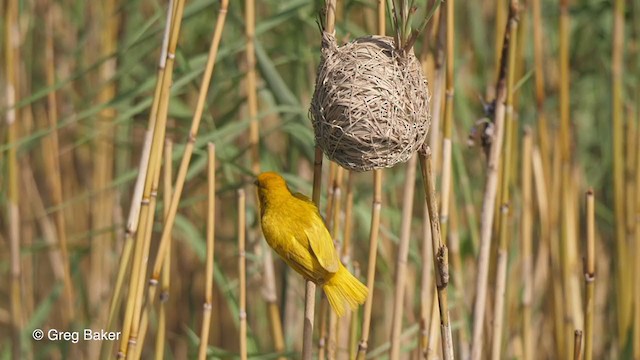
[[370, 108]]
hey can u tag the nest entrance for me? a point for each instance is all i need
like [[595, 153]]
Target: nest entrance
[[370, 108]]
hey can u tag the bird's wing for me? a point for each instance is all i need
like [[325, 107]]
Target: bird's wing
[[322, 245], [320, 239]]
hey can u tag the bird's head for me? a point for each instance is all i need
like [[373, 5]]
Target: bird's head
[[270, 181]]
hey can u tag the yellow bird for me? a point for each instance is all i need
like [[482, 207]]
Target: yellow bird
[[293, 227]]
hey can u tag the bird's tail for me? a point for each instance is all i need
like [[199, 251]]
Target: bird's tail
[[343, 289]]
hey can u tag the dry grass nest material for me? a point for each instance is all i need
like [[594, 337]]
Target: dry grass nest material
[[370, 108]]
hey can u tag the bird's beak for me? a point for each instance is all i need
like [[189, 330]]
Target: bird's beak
[[255, 182]]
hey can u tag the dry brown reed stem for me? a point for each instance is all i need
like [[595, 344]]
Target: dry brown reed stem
[[353, 324], [269, 288], [102, 176], [440, 253], [526, 227], [623, 298], [186, 157], [631, 131], [538, 57], [376, 206], [427, 291], [12, 93], [242, 263], [461, 311], [562, 338], [489, 200], [335, 232], [252, 96], [438, 87], [51, 157], [322, 339], [446, 186], [208, 285], [127, 249], [503, 220], [567, 213], [371, 268], [577, 345], [636, 251], [165, 285], [431, 351], [310, 287], [147, 210], [565, 125], [590, 276], [352, 318], [47, 227], [348, 220], [403, 254]]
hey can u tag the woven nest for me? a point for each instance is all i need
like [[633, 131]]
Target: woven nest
[[370, 108]]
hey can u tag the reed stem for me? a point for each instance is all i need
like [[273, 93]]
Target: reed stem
[[371, 268], [167, 181], [157, 123], [577, 345], [184, 163], [503, 221], [403, 254], [624, 296], [242, 259], [12, 93], [526, 235], [489, 200], [211, 213], [590, 276]]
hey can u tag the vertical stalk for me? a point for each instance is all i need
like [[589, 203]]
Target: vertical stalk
[[51, 151], [623, 297], [161, 334], [158, 121], [538, 57], [269, 288], [427, 291], [525, 236], [439, 85], [503, 221], [403, 254], [489, 200], [242, 313], [102, 176], [376, 206], [371, 268], [12, 91], [590, 276], [448, 122], [186, 158], [636, 295], [211, 213], [335, 232], [440, 254], [577, 345], [310, 287]]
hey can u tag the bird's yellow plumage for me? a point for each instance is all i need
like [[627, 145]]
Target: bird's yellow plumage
[[293, 227]]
